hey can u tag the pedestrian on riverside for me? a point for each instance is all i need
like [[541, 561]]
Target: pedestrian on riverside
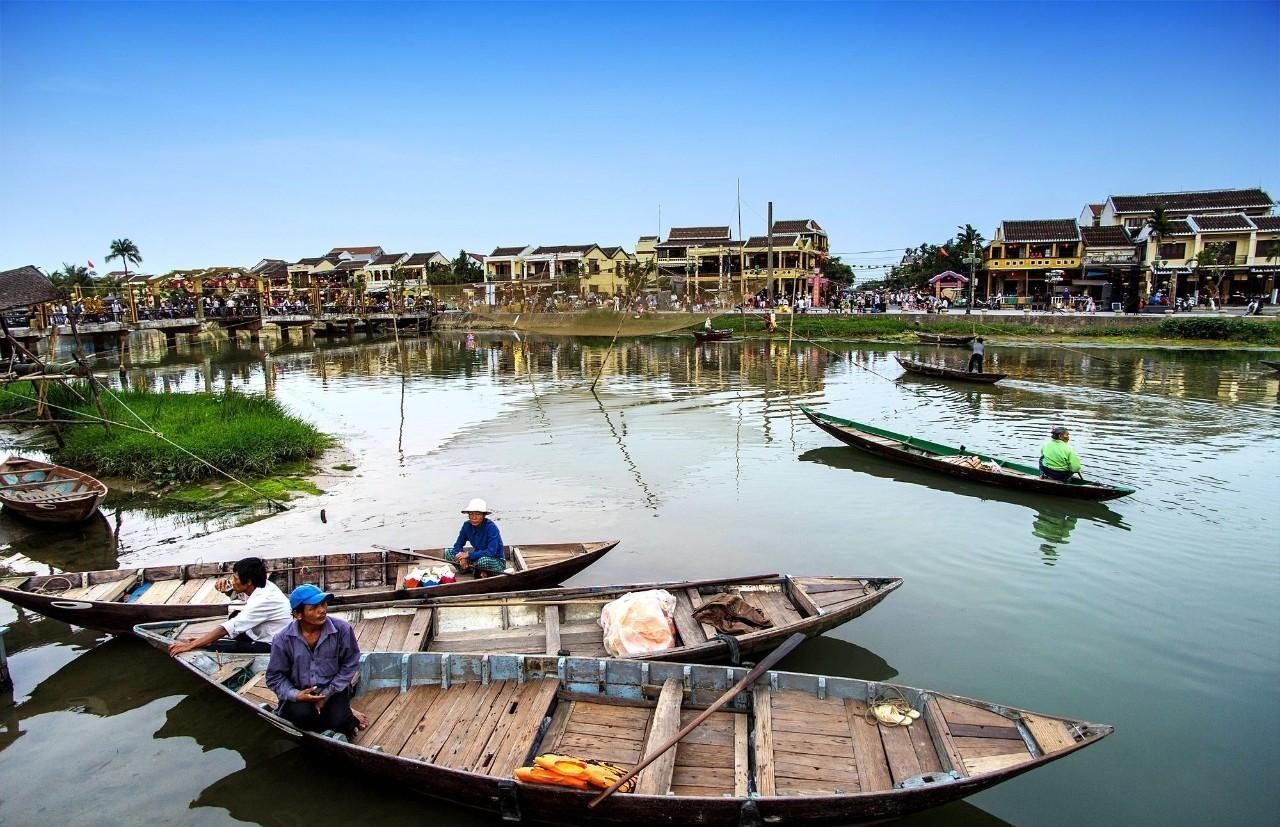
[[976, 357], [313, 666], [486, 554]]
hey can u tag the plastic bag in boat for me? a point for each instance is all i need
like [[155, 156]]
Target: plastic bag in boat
[[639, 622]]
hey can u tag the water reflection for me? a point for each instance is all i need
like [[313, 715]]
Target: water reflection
[[79, 547], [829, 655], [1055, 528]]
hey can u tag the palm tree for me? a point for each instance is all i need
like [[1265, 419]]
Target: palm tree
[[1160, 225], [71, 275], [127, 252]]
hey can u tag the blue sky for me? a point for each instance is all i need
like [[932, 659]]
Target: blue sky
[[219, 134]]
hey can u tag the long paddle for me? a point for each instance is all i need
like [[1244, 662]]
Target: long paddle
[[748, 679]]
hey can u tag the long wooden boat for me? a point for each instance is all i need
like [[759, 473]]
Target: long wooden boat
[[718, 335], [957, 461], [944, 339], [567, 621], [795, 749], [949, 373], [115, 600], [48, 493]]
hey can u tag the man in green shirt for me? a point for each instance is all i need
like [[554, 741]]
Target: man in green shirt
[[1058, 460]]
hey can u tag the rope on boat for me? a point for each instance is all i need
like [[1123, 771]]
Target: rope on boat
[[44, 587], [153, 432]]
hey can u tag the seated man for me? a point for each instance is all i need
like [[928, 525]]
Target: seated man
[[1058, 460], [264, 612], [486, 554], [314, 663]]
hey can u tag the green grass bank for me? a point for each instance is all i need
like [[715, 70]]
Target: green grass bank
[[250, 437], [1157, 331]]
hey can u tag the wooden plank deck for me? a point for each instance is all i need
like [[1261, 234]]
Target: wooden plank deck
[[602, 732]]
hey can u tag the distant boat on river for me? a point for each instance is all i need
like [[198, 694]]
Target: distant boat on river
[[959, 462], [718, 335], [116, 600], [47, 493], [943, 339], [949, 373]]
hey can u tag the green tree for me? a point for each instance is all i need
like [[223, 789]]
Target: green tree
[[1159, 225], [127, 252], [1213, 257], [635, 275], [839, 272], [465, 270], [71, 275]]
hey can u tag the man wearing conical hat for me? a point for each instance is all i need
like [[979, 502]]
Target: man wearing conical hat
[[485, 554]]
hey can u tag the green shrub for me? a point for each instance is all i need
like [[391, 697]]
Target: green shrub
[[1220, 329]]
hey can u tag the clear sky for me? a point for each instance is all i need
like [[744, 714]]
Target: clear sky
[[219, 134]]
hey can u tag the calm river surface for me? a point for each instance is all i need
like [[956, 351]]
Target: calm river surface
[[1158, 613]]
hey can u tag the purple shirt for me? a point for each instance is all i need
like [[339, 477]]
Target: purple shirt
[[331, 665]]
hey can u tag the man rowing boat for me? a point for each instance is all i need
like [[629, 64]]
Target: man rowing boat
[[1058, 460]]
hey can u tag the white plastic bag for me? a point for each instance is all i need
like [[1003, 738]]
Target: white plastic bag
[[639, 622]]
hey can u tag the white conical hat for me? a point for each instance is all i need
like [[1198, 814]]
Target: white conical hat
[[477, 504]]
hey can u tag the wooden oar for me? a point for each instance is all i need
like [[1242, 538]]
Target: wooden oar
[[748, 679], [412, 553]]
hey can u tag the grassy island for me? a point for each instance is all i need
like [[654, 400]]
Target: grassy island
[[251, 437]]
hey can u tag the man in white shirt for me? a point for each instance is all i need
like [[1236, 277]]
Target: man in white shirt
[[264, 612]]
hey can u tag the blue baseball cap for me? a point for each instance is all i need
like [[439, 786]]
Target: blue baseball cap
[[307, 595]]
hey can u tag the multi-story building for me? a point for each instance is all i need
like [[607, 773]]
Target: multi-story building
[[1028, 261], [1109, 266], [379, 273], [799, 249], [506, 263], [699, 259]]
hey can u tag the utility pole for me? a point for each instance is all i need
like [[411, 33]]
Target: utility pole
[[972, 260], [769, 268]]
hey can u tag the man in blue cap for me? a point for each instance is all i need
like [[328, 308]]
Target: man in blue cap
[[314, 662]]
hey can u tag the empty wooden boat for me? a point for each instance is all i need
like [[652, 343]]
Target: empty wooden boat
[[116, 600], [958, 462], [48, 493], [948, 373], [567, 621], [943, 339], [793, 749], [718, 335]]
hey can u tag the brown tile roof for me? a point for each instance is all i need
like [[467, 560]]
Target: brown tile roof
[[419, 259], [386, 259], [564, 248], [508, 251], [355, 251], [310, 262], [348, 265], [697, 242], [610, 251], [648, 238], [1112, 236], [682, 233], [25, 286], [1192, 201], [274, 269], [1270, 223], [804, 225], [1179, 228], [1221, 223], [762, 241], [1096, 209], [1049, 229]]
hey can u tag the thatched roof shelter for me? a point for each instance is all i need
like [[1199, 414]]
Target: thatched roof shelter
[[24, 287]]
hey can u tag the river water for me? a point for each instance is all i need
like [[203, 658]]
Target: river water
[[1156, 613]]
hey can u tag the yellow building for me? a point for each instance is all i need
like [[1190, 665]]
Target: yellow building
[[1028, 261]]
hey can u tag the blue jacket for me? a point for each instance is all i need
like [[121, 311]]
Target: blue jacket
[[485, 539]]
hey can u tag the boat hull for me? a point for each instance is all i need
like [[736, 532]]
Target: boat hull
[[471, 767], [47, 493], [847, 432], [720, 335], [945, 340], [922, 369], [119, 618]]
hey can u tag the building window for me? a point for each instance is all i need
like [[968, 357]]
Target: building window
[[995, 252], [1173, 250], [1134, 223], [1066, 250], [1266, 249]]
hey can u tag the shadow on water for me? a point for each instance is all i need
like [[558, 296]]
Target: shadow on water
[[852, 459], [827, 655], [80, 547]]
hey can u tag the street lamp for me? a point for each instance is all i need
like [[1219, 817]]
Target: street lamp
[[973, 260]]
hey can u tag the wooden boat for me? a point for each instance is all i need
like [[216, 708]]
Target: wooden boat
[[567, 621], [957, 461], [794, 749], [943, 339], [720, 334], [116, 600], [48, 493], [949, 373], [1272, 365]]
